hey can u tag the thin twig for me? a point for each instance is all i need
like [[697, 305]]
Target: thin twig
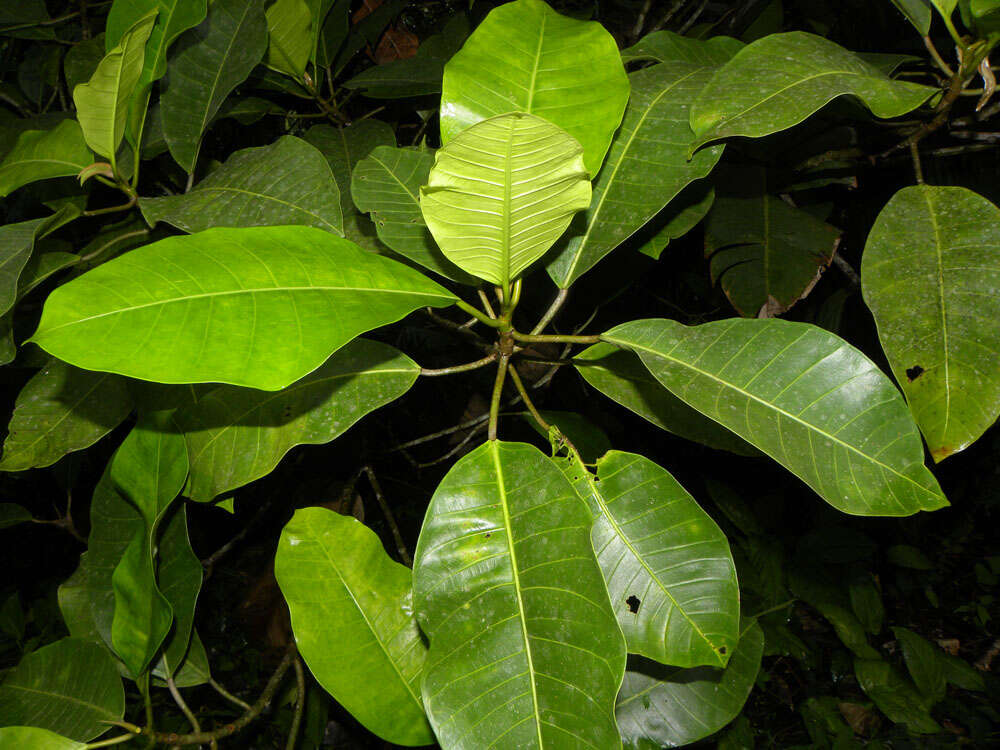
[[918, 171], [848, 270], [670, 13], [300, 704], [404, 553], [693, 18], [486, 303], [209, 562], [461, 329], [527, 399], [227, 695], [640, 20], [557, 303], [938, 60], [554, 339], [940, 118], [460, 368], [179, 700], [457, 448]]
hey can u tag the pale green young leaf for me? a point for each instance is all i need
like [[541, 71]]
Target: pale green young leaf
[[236, 435], [667, 565], [174, 17], [493, 207], [258, 307], [70, 687], [290, 37], [803, 396], [525, 57], [220, 54], [931, 276], [352, 615], [286, 182], [36, 739], [43, 154], [102, 103], [60, 410], [507, 589], [386, 184], [661, 706], [647, 166], [780, 80]]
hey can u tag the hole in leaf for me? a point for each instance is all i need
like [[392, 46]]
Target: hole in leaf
[[633, 603], [488, 534], [722, 650], [914, 372]]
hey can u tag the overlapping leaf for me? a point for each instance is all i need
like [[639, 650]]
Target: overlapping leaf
[[802, 395], [667, 565], [236, 435], [17, 243], [780, 80], [647, 166], [43, 154], [290, 38], [352, 616], [765, 254], [345, 147], [931, 276], [662, 706], [285, 182], [174, 17], [525, 57], [669, 47], [917, 12], [37, 739], [70, 687], [222, 51], [493, 206], [525, 649], [60, 410], [894, 695], [257, 307]]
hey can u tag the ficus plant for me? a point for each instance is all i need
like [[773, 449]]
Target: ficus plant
[[558, 595]]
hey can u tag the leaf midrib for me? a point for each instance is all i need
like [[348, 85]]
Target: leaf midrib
[[61, 696], [773, 407]]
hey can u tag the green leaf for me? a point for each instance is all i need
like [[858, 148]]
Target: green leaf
[[237, 435], [866, 602], [36, 739], [669, 47], [286, 182], [589, 440], [70, 687], [333, 32], [386, 183], [41, 155], [414, 76], [622, 377], [812, 585], [275, 301], [345, 147], [925, 662], [102, 103], [917, 12], [219, 55], [365, 33], [765, 254], [780, 80], [149, 470], [174, 18], [490, 177], [525, 57], [11, 514], [960, 674], [666, 564], [931, 274], [906, 556], [525, 649], [802, 395], [680, 216], [27, 14], [17, 243], [353, 621], [661, 706], [946, 7], [289, 28], [60, 410], [82, 60], [193, 670], [647, 166], [894, 695]]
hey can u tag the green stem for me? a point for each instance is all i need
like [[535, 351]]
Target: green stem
[[527, 399], [228, 696], [551, 312], [459, 368], [775, 608], [147, 698], [554, 339], [936, 56], [954, 33], [108, 743], [495, 401], [480, 316], [300, 704]]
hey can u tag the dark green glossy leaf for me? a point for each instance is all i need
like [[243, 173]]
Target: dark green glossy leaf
[[525, 649], [70, 687], [813, 585], [82, 60], [925, 662], [352, 616], [525, 57], [286, 182], [866, 602], [780, 80], [931, 276], [647, 166], [589, 440], [11, 514], [386, 184], [622, 377], [236, 435], [17, 243], [345, 147], [666, 564], [661, 706], [917, 12], [802, 395], [257, 307], [680, 216], [219, 55], [43, 154], [765, 254], [149, 470], [490, 177], [669, 47], [60, 410], [894, 695]]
